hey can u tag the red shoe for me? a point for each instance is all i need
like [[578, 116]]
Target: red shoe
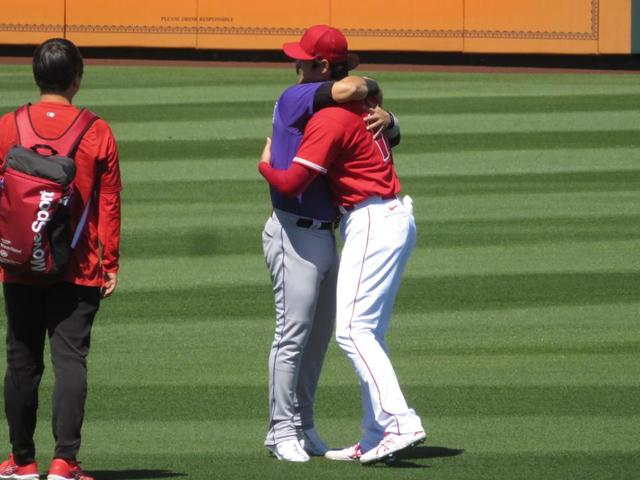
[[62, 469], [10, 470]]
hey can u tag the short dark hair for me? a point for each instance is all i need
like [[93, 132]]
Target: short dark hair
[[56, 63], [339, 70]]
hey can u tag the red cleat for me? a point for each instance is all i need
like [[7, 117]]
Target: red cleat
[[9, 469], [62, 469]]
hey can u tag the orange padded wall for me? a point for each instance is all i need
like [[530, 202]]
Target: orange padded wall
[[31, 21], [256, 25], [472, 26], [149, 23], [414, 24]]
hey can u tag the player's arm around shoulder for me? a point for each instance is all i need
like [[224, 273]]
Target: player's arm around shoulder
[[348, 89], [354, 88]]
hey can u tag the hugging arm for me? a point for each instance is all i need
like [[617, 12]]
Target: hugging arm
[[291, 182], [349, 89]]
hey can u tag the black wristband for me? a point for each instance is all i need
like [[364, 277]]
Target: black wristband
[[372, 87], [393, 121]]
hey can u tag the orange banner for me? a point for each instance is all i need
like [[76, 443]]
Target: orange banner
[[31, 21], [413, 26], [256, 25], [492, 26], [127, 23], [540, 26]]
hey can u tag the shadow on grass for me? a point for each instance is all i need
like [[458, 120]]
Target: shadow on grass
[[403, 459], [134, 474]]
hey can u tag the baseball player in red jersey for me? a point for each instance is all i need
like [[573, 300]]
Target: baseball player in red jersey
[[379, 235]]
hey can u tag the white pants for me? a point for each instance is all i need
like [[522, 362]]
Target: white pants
[[379, 237]]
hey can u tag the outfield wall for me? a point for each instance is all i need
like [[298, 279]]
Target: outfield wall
[[467, 26]]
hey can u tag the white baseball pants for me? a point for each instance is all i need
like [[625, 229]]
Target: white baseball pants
[[379, 237]]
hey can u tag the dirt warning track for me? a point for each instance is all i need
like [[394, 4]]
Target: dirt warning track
[[364, 66]]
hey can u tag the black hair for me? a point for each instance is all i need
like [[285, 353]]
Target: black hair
[[339, 70], [56, 63]]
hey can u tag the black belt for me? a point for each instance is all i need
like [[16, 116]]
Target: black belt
[[308, 223]]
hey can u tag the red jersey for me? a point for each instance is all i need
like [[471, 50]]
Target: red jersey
[[97, 176], [336, 143]]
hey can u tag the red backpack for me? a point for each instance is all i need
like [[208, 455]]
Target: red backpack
[[36, 190]]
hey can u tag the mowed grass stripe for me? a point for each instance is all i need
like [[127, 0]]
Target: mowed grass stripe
[[221, 303], [587, 162], [486, 352], [251, 147], [472, 348], [231, 108], [475, 292], [223, 402], [545, 258], [251, 127], [252, 211], [99, 77], [518, 141], [432, 186], [241, 108], [554, 465], [467, 163], [177, 112], [601, 181], [217, 239]]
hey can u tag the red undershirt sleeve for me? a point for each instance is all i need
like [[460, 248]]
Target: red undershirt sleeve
[[291, 182]]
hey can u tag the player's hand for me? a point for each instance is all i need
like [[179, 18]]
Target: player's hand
[[109, 285], [377, 121], [266, 152], [374, 100]]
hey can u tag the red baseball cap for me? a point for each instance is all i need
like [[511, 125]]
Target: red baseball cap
[[322, 42]]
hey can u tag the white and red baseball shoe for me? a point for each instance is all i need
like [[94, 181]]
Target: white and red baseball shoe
[[349, 454], [391, 444]]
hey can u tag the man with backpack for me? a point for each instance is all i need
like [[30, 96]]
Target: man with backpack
[[59, 249]]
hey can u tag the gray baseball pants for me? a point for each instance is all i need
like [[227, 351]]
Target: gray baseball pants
[[303, 263]]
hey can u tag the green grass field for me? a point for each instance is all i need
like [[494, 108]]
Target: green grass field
[[516, 332]]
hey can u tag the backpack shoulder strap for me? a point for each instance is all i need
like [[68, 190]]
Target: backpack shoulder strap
[[26, 134], [76, 131], [66, 144]]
